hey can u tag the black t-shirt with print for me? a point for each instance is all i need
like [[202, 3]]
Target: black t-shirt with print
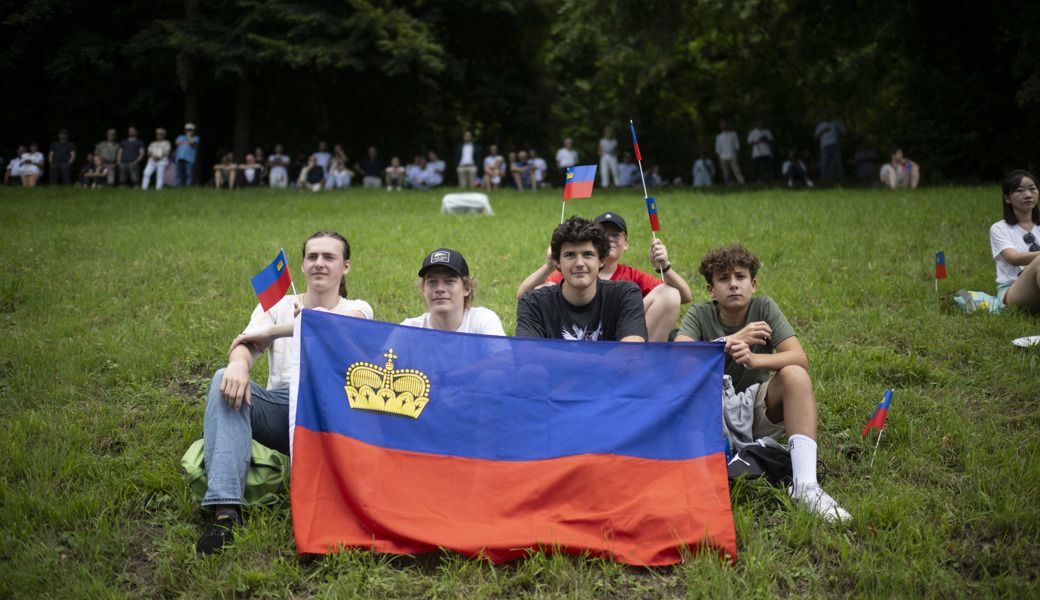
[[614, 313]]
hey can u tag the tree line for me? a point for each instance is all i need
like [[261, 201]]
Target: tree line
[[956, 87]]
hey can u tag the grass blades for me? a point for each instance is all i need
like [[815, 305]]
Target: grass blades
[[117, 306]]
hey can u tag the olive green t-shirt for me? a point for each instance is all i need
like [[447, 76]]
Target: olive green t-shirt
[[703, 324]]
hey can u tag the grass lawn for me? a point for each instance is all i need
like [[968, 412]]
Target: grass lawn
[[117, 306]]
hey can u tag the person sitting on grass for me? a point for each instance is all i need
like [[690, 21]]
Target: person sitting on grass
[[97, 175], [225, 170], [395, 175], [449, 290], [764, 359], [1015, 243], [900, 171], [239, 410], [583, 306], [661, 299]]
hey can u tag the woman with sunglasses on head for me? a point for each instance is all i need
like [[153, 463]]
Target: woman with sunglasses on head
[[1015, 242]]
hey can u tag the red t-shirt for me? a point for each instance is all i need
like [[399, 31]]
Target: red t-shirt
[[645, 281]]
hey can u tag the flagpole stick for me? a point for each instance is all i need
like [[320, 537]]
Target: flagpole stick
[[291, 284], [563, 210], [880, 431], [639, 161]]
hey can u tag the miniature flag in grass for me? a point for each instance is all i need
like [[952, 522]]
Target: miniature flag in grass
[[651, 209], [878, 418], [272, 283], [635, 143], [579, 182], [940, 265]]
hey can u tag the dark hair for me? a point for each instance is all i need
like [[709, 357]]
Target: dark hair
[[1011, 184], [346, 254], [577, 230], [727, 258], [892, 151]]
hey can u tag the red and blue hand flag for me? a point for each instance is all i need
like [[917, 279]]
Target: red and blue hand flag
[[878, 418], [272, 283], [940, 265], [651, 209], [635, 142], [579, 182]]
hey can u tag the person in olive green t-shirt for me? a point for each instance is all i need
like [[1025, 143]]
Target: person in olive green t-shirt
[[764, 358]]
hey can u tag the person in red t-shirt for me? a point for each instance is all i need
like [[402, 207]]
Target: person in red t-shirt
[[661, 299]]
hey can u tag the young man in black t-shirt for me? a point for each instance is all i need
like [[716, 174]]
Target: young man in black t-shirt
[[583, 306]]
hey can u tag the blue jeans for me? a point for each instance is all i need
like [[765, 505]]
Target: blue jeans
[[228, 435], [184, 172], [828, 155]]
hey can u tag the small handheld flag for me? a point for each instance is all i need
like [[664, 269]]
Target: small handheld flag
[[579, 185], [272, 283], [940, 268], [651, 209], [634, 141], [579, 182], [878, 420], [651, 204]]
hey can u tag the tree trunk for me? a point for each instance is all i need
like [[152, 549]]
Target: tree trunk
[[240, 144]]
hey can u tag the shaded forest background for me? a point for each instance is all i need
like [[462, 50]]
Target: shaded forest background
[[955, 84]]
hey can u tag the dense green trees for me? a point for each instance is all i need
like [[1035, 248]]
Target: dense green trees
[[957, 87]]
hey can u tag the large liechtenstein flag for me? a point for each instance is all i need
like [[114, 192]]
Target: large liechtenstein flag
[[406, 440]]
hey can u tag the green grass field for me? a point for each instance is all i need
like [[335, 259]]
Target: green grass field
[[117, 306]]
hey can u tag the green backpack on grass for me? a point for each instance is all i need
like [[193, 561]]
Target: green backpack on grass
[[266, 481]]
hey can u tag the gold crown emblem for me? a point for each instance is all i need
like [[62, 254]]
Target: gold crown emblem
[[401, 392]]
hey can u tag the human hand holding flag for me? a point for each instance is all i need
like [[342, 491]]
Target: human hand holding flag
[[272, 283]]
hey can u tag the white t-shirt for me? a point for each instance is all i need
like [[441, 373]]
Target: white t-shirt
[[627, 174], [31, 162], [726, 145], [829, 138], [280, 354], [761, 148], [566, 158], [540, 167], [159, 150], [15, 166], [608, 147], [475, 320], [467, 155], [323, 160], [1003, 236]]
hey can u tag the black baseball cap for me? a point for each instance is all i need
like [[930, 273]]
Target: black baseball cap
[[612, 218], [445, 257]]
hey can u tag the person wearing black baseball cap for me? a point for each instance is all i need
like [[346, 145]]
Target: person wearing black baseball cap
[[449, 290], [661, 298]]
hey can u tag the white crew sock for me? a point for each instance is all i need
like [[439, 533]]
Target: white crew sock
[[803, 461]]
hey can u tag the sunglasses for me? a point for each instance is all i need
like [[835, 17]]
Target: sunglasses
[[1029, 239]]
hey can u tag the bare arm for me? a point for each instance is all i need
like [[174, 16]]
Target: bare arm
[[1019, 259], [789, 352], [539, 276], [234, 387], [659, 259], [632, 338]]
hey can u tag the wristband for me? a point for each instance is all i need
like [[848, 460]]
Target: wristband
[[666, 269]]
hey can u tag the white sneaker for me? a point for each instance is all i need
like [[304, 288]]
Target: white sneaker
[[808, 183], [389, 188], [790, 183], [813, 498]]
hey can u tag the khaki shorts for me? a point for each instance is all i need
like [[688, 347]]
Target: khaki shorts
[[762, 426]]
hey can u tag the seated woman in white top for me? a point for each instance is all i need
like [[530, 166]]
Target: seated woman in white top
[[448, 290], [1015, 243]]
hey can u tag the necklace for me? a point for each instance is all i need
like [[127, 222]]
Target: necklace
[[725, 321]]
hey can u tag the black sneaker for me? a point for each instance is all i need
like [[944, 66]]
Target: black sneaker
[[220, 533]]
